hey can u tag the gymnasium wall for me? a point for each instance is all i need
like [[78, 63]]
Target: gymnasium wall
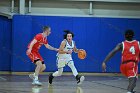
[[5, 43], [98, 36]]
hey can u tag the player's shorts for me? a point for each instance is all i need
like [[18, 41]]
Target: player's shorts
[[62, 62], [129, 69], [35, 56]]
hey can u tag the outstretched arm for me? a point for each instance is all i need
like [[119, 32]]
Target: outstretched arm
[[50, 47], [111, 54]]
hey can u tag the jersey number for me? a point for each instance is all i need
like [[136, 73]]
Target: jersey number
[[132, 50]]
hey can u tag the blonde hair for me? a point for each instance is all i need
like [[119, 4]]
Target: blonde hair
[[46, 28]]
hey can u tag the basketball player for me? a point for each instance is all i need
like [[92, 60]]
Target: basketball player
[[33, 54], [64, 57], [130, 57]]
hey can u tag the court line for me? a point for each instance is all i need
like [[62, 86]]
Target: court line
[[5, 90], [116, 78], [111, 86], [3, 78]]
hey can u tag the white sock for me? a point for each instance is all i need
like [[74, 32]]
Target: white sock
[[36, 77], [74, 71]]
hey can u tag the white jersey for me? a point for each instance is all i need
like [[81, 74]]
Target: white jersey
[[67, 48]]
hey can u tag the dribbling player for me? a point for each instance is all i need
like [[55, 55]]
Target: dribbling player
[[64, 58]]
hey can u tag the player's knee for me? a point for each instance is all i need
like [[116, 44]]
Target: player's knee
[[43, 67], [39, 63]]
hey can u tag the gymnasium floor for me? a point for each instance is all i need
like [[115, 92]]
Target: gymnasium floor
[[65, 84]]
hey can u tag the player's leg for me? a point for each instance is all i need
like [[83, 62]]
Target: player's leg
[[43, 64], [55, 74], [132, 84], [73, 68], [60, 65], [40, 65], [37, 71], [32, 76], [123, 69], [79, 78], [38, 68], [132, 70], [32, 58], [43, 67], [37, 60], [58, 73]]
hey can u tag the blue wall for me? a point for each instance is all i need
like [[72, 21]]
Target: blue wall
[[5, 43], [98, 36]]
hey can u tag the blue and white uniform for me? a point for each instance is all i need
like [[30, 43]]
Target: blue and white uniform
[[66, 59]]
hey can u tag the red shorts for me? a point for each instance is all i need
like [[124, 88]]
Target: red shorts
[[129, 69], [34, 56]]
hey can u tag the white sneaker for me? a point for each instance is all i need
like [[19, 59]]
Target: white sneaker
[[32, 76], [82, 78], [36, 82]]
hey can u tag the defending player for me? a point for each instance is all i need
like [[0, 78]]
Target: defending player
[[33, 53], [130, 57]]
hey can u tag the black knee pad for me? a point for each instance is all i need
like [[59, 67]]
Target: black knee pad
[[132, 84]]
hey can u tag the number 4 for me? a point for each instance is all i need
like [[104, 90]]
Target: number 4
[[132, 50]]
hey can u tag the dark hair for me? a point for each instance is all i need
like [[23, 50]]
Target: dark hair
[[67, 32], [129, 34], [45, 28]]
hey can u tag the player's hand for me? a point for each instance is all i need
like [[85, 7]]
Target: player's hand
[[28, 51], [69, 52], [56, 49], [104, 67]]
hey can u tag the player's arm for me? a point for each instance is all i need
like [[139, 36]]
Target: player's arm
[[31, 46], [61, 48], [111, 54], [75, 49], [50, 47]]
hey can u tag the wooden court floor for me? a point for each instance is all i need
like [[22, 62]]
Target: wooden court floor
[[65, 84]]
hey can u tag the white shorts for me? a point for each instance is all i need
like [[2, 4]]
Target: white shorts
[[62, 62]]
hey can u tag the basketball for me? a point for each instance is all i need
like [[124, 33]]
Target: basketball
[[82, 54]]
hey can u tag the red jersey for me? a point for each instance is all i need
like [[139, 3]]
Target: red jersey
[[131, 51], [40, 41]]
